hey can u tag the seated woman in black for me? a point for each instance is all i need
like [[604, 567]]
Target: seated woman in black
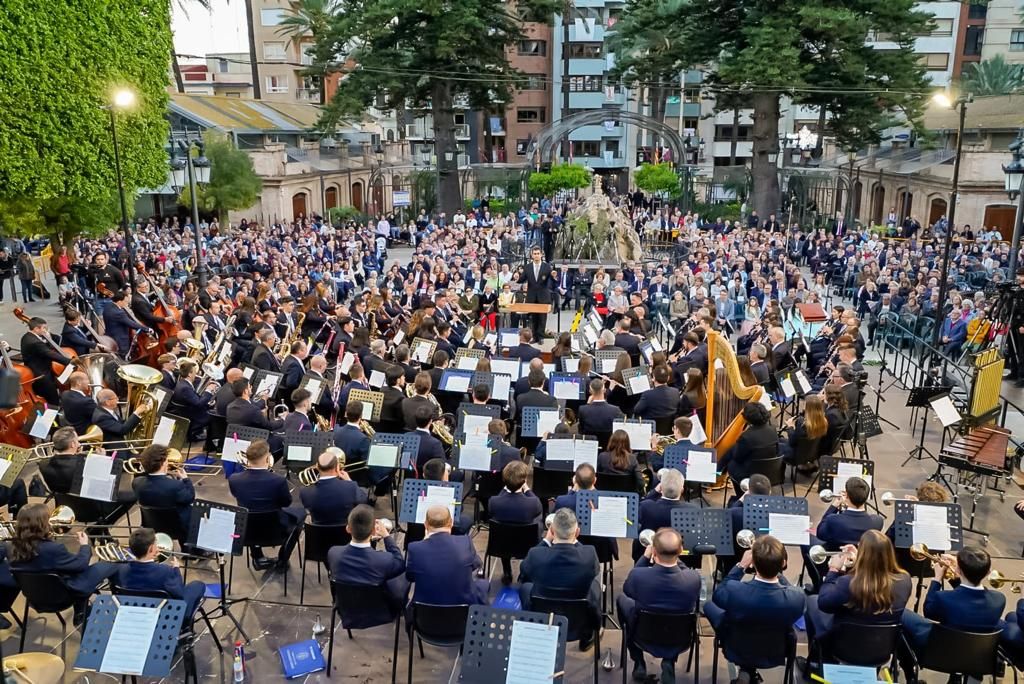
[[837, 414], [619, 459], [758, 442], [694, 397], [809, 427], [33, 549], [873, 592]]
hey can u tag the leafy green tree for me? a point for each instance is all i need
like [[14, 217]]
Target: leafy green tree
[[813, 51], [427, 53], [993, 77], [233, 181], [560, 177], [657, 178], [62, 61]]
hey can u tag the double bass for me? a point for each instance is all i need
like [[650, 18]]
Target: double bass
[[12, 421], [163, 309], [56, 366]]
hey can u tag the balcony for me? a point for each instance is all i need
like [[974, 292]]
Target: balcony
[[584, 31], [592, 66], [307, 95], [414, 132], [462, 131]]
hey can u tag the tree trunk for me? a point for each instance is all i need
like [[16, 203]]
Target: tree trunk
[[449, 194], [765, 176], [257, 92], [734, 140], [819, 145], [179, 82]]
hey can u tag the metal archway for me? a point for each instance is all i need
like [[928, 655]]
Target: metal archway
[[542, 147]]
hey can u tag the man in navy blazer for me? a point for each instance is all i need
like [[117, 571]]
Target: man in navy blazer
[[192, 404], [260, 490], [524, 351], [839, 526], [77, 406], [660, 585], [565, 569], [953, 333], [293, 369], [119, 325], [430, 446], [160, 488], [244, 411], [769, 600], [107, 419], [597, 415], [334, 495], [443, 566], [359, 563], [298, 418], [148, 574], [656, 508], [515, 504], [350, 439], [522, 385], [497, 432], [585, 478], [661, 401], [969, 606]]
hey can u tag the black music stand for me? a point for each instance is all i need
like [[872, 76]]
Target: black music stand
[[490, 411], [531, 420], [589, 499], [414, 490], [242, 433], [456, 381], [903, 531], [921, 398], [486, 647], [299, 440], [705, 527], [162, 642], [18, 458], [409, 441], [830, 468], [200, 510], [757, 511]]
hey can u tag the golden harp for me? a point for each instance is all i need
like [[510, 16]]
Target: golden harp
[[726, 394]]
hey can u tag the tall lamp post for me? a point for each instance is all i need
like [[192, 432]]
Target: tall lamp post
[[960, 103], [123, 100], [192, 171], [1014, 172]]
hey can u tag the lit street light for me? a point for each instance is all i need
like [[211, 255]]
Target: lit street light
[[184, 170], [122, 100]]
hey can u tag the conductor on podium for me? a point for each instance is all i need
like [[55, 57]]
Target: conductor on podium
[[538, 289]]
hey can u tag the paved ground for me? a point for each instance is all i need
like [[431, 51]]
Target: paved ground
[[273, 619]]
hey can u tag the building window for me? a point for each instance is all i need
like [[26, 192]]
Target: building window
[[943, 27], [977, 10], [222, 66], [974, 38], [585, 50], [277, 84], [534, 82], [522, 145], [586, 148], [272, 17], [691, 95], [934, 61], [613, 16], [585, 84], [530, 115], [274, 51], [1017, 40], [724, 132], [533, 48], [612, 147]]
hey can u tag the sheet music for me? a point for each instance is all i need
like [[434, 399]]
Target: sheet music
[[377, 379], [850, 674], [422, 352], [931, 527], [65, 374], [639, 383], [570, 365], [475, 453], [639, 434], [607, 366], [766, 401], [347, 361], [574, 345], [397, 339], [444, 496], [697, 434], [216, 530], [589, 335], [701, 466], [4, 467], [789, 528], [609, 518], [844, 471], [44, 421], [298, 452], [510, 367], [801, 379], [159, 394], [233, 448], [268, 384], [584, 451], [531, 653], [99, 487], [473, 424], [383, 455], [367, 410], [788, 390], [509, 338], [490, 339], [548, 369], [164, 431], [945, 410], [313, 386], [98, 466], [560, 450], [547, 419], [566, 389], [248, 372], [456, 382], [130, 638], [502, 387], [466, 363], [655, 344]]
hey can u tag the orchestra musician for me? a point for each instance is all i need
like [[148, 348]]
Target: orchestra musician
[[583, 479], [76, 404], [844, 522], [759, 441], [443, 566], [422, 399], [298, 417], [38, 352], [334, 495], [162, 487], [656, 508], [392, 417], [263, 356], [226, 394], [106, 417], [597, 415], [142, 307], [758, 365], [168, 364], [75, 335], [109, 277], [358, 562], [661, 401], [430, 446], [293, 369], [249, 412], [515, 504], [147, 573], [524, 351], [119, 324], [190, 403], [353, 441]]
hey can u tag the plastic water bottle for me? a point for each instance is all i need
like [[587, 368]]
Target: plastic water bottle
[[237, 669], [703, 589]]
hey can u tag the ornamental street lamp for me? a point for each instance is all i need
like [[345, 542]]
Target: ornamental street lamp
[[193, 171], [123, 99], [1014, 172]]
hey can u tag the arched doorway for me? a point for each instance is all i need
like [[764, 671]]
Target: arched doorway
[[357, 195], [331, 197], [878, 203], [299, 205], [936, 210], [1000, 217], [858, 191], [377, 198], [904, 206]]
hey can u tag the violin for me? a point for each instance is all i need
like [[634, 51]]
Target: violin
[[56, 366], [13, 420]]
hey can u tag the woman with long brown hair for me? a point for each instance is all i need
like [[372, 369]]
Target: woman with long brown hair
[[874, 591], [812, 426], [694, 397], [34, 549], [619, 459]]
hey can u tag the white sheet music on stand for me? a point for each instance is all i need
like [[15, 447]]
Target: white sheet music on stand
[[639, 383], [367, 410], [509, 339], [566, 390], [377, 378], [570, 365], [697, 434], [346, 363], [435, 496], [490, 339], [4, 466], [547, 419], [844, 471], [945, 410], [65, 374], [475, 453], [801, 379], [502, 387], [532, 651], [467, 363], [639, 434], [609, 518], [457, 383], [301, 453], [931, 527], [44, 421], [766, 401], [267, 384], [216, 531], [701, 466], [789, 528], [313, 386], [584, 451], [510, 367], [97, 480], [788, 390], [233, 448], [164, 431], [130, 637], [383, 455], [607, 366]]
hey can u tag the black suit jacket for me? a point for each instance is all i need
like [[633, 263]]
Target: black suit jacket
[[114, 429], [264, 359], [243, 412], [538, 289], [391, 417], [76, 338], [561, 571], [761, 372], [534, 397], [293, 370], [756, 443], [329, 501], [524, 352], [37, 355], [410, 405], [430, 448], [118, 324], [59, 472], [78, 410], [597, 417], [658, 402]]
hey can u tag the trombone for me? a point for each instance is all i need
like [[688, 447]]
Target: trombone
[[63, 519], [921, 552], [112, 552], [175, 461], [309, 475], [996, 580]]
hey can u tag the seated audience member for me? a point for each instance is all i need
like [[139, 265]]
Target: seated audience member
[[658, 584], [359, 563], [443, 567]]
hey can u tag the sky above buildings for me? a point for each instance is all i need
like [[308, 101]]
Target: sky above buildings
[[198, 32]]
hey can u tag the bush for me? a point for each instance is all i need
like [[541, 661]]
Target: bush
[[345, 214], [657, 178]]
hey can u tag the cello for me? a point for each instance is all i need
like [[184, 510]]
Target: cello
[[163, 309], [13, 420], [57, 367]]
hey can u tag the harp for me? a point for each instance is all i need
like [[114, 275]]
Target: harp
[[726, 394]]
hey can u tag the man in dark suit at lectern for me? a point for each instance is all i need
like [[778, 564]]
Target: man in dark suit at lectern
[[538, 290]]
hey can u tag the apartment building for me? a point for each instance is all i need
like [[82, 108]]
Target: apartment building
[[531, 106], [1003, 30], [281, 58]]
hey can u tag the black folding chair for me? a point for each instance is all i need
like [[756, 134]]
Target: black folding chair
[[319, 539], [757, 646], [607, 553], [956, 652], [45, 593], [263, 529], [805, 453], [509, 540], [865, 645], [611, 482], [582, 621], [166, 520], [360, 607], [675, 631], [443, 626]]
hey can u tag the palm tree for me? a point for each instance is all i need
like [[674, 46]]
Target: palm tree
[[309, 18], [993, 77]]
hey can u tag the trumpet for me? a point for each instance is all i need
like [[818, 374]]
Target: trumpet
[[745, 484], [745, 539], [921, 552], [888, 498], [996, 580], [63, 519], [828, 496], [819, 555]]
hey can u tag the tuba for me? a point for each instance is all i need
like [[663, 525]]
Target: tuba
[[195, 345], [94, 366], [139, 379]]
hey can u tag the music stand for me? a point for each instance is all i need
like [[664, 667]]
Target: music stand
[[829, 470], [558, 382], [534, 425], [422, 350], [78, 481], [320, 385], [162, 396], [159, 650], [921, 398], [490, 379], [589, 499], [636, 380], [603, 358], [414, 490], [705, 526], [757, 511], [375, 399], [410, 442], [267, 378], [209, 510], [628, 425], [487, 645], [582, 442], [303, 447], [474, 467], [18, 458], [240, 437], [903, 523], [474, 355], [478, 411]]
